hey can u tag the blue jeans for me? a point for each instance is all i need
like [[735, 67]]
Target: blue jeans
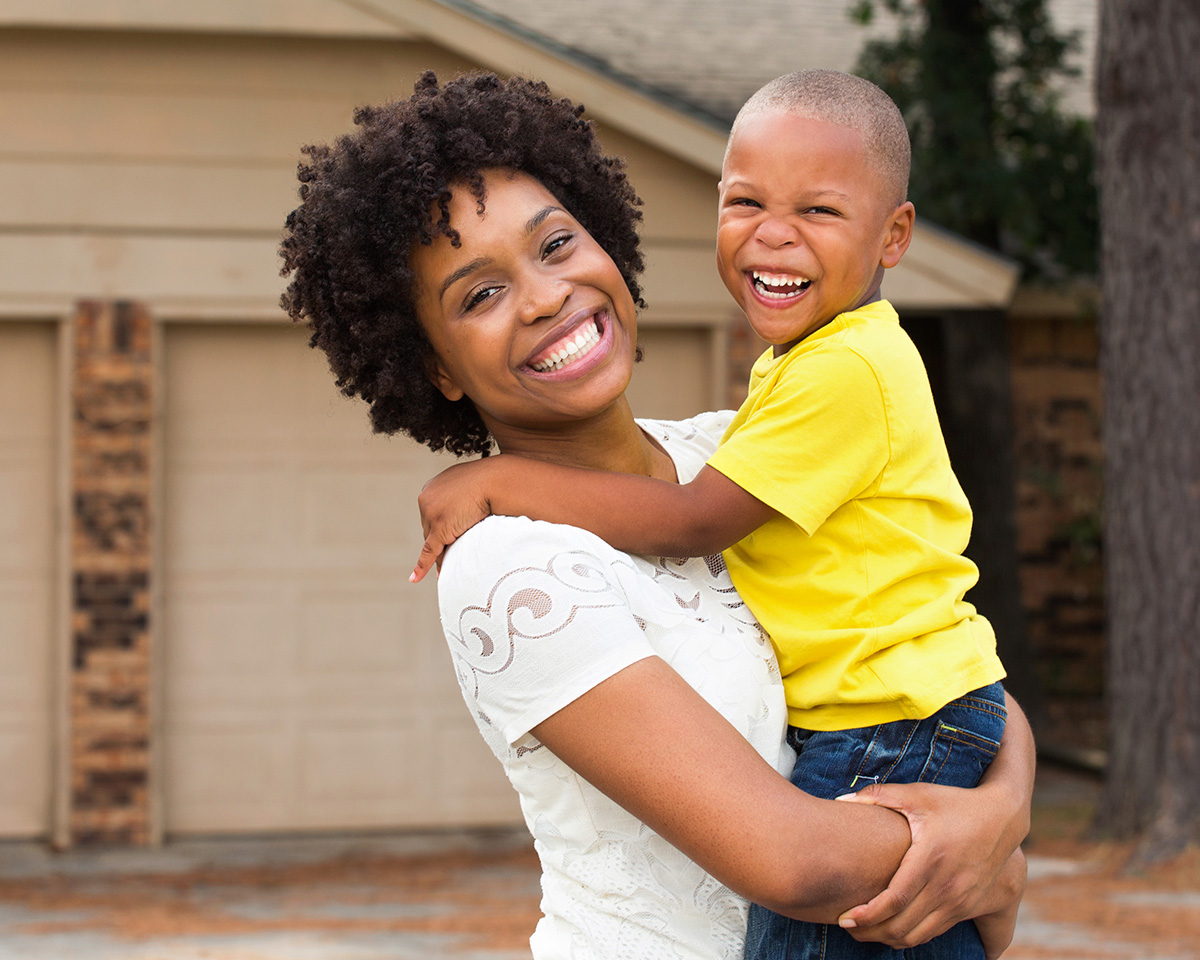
[[952, 747]]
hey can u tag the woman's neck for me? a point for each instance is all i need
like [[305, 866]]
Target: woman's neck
[[611, 441]]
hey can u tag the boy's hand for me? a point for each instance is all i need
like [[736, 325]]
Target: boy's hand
[[450, 504], [956, 868]]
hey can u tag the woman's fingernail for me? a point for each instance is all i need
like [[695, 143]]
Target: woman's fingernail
[[847, 924], [845, 796]]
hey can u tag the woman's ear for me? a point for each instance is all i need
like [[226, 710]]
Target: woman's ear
[[446, 384], [898, 235]]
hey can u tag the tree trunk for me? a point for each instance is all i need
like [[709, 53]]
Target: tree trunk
[[1149, 164]]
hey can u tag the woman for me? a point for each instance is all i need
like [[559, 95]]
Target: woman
[[468, 262]]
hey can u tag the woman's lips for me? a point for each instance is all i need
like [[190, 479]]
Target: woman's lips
[[580, 350], [574, 346]]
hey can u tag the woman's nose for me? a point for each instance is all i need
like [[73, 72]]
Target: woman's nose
[[546, 296]]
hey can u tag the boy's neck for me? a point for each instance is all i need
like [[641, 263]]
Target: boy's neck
[[779, 349], [611, 441]]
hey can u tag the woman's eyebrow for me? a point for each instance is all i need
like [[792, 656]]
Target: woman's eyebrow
[[464, 270], [536, 220]]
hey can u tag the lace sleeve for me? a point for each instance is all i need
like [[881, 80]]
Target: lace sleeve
[[535, 614]]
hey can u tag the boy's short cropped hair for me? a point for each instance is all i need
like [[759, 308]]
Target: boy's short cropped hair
[[847, 101]]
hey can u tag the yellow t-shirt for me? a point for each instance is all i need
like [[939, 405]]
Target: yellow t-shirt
[[860, 579]]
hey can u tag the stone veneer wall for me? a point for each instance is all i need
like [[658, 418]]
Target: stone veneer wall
[[111, 566]]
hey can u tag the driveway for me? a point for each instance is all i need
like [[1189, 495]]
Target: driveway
[[474, 896]]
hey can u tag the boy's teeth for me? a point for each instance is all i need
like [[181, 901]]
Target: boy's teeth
[[779, 284], [574, 349]]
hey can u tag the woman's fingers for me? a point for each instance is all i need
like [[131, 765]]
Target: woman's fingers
[[936, 881]]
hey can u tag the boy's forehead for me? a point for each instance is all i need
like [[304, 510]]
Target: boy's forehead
[[788, 137], [787, 140]]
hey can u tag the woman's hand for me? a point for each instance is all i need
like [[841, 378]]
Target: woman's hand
[[996, 929], [451, 504], [964, 861], [951, 870]]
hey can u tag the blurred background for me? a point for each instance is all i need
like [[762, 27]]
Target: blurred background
[[206, 631], [205, 623]]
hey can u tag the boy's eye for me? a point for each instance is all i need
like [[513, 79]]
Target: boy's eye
[[476, 297], [743, 202], [825, 210]]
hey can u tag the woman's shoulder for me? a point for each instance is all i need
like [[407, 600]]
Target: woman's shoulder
[[690, 442]]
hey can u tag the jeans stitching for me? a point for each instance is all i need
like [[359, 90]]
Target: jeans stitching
[[980, 706], [899, 755], [975, 744]]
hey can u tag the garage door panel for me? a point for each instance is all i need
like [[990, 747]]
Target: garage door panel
[[370, 508], [244, 514], [300, 661], [360, 765], [28, 361], [225, 771], [351, 633], [215, 633]]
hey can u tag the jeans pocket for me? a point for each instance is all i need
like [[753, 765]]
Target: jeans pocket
[[964, 742]]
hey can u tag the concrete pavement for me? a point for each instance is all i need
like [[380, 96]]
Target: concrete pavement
[[473, 896]]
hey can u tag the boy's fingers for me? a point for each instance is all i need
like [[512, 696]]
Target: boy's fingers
[[425, 560]]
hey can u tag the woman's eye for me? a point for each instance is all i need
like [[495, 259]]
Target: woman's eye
[[556, 243], [476, 297]]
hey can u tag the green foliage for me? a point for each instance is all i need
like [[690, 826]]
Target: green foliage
[[994, 156]]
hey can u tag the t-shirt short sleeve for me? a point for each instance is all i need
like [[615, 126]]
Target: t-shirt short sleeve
[[535, 615], [811, 437]]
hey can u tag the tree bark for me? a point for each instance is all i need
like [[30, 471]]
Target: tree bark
[[1149, 166]]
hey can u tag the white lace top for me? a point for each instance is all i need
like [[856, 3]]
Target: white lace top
[[535, 615]]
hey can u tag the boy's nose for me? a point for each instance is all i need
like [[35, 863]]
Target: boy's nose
[[545, 298], [777, 232]]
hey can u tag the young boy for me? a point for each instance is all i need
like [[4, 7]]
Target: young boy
[[831, 494]]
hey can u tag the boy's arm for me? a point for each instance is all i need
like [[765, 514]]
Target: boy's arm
[[634, 514]]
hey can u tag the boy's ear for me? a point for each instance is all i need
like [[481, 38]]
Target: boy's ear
[[441, 378], [898, 233]]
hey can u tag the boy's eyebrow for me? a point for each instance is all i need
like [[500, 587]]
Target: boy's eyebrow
[[819, 193]]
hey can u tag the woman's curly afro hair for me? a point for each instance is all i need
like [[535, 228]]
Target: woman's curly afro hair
[[367, 199]]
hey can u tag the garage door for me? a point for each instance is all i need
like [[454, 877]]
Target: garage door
[[307, 686], [27, 449]]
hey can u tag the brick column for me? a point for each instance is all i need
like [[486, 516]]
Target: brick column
[[111, 567]]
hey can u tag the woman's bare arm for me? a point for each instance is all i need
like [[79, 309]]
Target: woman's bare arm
[[646, 739], [653, 745]]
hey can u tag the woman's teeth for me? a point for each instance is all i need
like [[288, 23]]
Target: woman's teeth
[[567, 352], [779, 285]]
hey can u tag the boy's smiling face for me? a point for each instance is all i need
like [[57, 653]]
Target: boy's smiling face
[[806, 225]]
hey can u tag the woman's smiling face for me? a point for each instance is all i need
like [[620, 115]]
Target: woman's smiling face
[[529, 318]]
